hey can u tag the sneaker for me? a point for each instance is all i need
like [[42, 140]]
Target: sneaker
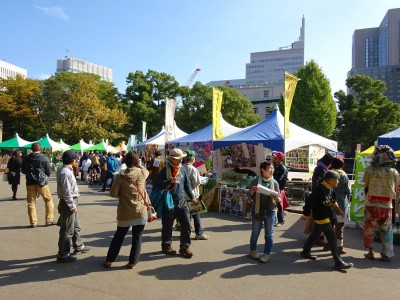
[[51, 223], [254, 254], [201, 237], [66, 259], [168, 250], [186, 252], [264, 257], [82, 249], [277, 225]]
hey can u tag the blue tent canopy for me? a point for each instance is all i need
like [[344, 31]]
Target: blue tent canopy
[[269, 132], [266, 132], [391, 139], [202, 135]]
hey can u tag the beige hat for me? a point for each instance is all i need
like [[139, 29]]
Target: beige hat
[[177, 153]]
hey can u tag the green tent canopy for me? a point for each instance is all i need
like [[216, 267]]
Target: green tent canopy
[[102, 146], [15, 143], [46, 142], [81, 146]]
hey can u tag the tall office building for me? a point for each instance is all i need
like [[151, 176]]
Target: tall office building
[[75, 65], [264, 82], [9, 70], [376, 53]]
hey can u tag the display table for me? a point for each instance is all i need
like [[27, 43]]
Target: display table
[[297, 190]]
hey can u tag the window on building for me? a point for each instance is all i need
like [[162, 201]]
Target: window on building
[[255, 110], [266, 93]]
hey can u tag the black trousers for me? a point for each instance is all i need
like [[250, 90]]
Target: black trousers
[[327, 229], [118, 239]]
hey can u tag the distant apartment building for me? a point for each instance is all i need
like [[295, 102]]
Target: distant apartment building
[[264, 82], [75, 65], [376, 53], [9, 70]]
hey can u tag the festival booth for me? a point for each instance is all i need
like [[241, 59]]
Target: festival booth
[[157, 143], [239, 155], [14, 143], [391, 139], [302, 148]]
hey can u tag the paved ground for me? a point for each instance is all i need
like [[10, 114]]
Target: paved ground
[[220, 268]]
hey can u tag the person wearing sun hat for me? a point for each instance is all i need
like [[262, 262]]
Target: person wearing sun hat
[[195, 181], [175, 178]]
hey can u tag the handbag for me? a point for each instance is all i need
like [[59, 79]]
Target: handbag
[[5, 177], [197, 208], [161, 199], [308, 228], [151, 214]]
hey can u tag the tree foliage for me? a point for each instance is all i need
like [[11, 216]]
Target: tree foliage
[[73, 110], [365, 114], [196, 110], [19, 99], [313, 107], [145, 99]]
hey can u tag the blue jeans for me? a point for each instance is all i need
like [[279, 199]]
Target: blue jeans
[[268, 231]]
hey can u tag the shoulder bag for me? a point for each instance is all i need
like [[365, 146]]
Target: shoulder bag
[[151, 213]]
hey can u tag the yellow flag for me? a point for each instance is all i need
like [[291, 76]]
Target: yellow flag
[[290, 87], [217, 104]]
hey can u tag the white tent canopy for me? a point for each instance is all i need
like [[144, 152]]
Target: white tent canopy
[[159, 138]]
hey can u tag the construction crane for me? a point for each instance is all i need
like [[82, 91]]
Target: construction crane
[[192, 77]]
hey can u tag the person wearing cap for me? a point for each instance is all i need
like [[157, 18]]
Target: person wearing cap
[[195, 181], [381, 180], [322, 200], [37, 169], [281, 176], [175, 178], [68, 193]]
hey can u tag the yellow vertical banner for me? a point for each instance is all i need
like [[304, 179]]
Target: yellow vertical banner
[[290, 87], [217, 104]]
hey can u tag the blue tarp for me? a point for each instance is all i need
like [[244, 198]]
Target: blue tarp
[[391, 139]]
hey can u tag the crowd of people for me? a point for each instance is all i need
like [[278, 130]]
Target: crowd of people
[[327, 204]]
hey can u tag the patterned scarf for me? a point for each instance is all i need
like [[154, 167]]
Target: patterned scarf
[[173, 171]]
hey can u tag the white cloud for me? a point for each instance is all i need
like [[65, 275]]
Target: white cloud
[[55, 12]]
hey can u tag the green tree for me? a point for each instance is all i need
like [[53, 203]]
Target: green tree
[[145, 100], [73, 110], [313, 107], [196, 110], [19, 98], [365, 114]]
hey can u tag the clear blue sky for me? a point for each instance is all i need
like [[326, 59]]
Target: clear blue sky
[[178, 36]]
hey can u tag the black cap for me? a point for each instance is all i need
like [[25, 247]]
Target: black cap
[[69, 156]]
